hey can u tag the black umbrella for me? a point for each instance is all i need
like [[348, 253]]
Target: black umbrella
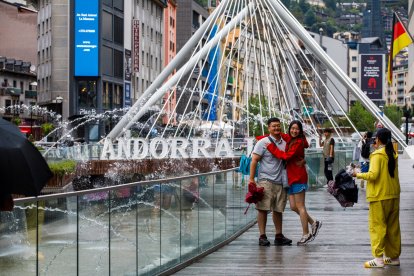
[[23, 170]]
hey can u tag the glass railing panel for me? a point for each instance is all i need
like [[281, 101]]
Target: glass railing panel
[[17, 248], [234, 203], [93, 230], [123, 234], [167, 198], [142, 229], [239, 205], [149, 236], [195, 217], [57, 232], [219, 207]]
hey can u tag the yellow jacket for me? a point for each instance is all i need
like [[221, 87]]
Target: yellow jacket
[[380, 185]]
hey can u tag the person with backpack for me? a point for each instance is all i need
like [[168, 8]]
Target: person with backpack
[[383, 196], [269, 177], [366, 148]]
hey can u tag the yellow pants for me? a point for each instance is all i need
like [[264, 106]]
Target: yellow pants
[[384, 228]]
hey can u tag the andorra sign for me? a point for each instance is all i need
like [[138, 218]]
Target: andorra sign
[[159, 148]]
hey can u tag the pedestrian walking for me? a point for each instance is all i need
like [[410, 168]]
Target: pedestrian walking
[[297, 178], [270, 178], [383, 196], [328, 145]]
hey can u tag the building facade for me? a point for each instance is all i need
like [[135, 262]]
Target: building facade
[[90, 57], [398, 93], [410, 79], [170, 48], [190, 15], [18, 31]]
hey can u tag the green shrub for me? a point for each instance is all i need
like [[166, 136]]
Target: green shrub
[[47, 128], [17, 121], [62, 168]]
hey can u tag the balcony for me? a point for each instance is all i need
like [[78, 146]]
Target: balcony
[[13, 91], [30, 94]]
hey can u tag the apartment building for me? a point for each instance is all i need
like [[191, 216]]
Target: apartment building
[[97, 56]]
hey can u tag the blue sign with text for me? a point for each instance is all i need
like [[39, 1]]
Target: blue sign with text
[[127, 94], [86, 38]]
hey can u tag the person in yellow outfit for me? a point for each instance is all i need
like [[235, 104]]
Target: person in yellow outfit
[[383, 196]]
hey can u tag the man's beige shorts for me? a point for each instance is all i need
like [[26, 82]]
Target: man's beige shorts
[[274, 199]]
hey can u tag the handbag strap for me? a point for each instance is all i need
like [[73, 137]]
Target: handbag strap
[[254, 144], [274, 143]]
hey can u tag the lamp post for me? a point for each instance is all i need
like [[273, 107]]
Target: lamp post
[[59, 101], [407, 113]]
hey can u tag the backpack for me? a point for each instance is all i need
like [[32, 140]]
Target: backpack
[[344, 189], [366, 149]]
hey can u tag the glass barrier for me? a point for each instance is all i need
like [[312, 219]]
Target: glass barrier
[[140, 228], [315, 165]]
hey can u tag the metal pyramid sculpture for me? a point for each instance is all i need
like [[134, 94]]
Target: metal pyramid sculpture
[[251, 59]]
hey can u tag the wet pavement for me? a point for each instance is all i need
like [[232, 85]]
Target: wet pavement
[[341, 248]]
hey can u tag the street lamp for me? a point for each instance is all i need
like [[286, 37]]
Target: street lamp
[[59, 100], [407, 114]]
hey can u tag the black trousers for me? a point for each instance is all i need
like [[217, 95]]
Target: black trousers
[[327, 171]]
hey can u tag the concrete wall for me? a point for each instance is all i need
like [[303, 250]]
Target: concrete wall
[[18, 33]]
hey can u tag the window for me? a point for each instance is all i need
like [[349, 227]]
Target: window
[[87, 94], [354, 69], [106, 61], [118, 30], [118, 96], [118, 64], [142, 58], [106, 95], [151, 63], [107, 25], [354, 58], [119, 4]]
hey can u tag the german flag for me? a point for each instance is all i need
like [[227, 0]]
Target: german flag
[[400, 39]]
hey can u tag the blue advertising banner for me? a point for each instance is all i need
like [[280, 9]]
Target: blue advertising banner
[[127, 88], [86, 38]]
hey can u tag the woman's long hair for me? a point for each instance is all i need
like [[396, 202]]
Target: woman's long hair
[[384, 135]]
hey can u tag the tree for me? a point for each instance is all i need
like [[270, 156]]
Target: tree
[[361, 118], [330, 4], [394, 114], [258, 113], [310, 18]]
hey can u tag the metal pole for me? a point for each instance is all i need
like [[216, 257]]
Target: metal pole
[[310, 43], [180, 57], [183, 70]]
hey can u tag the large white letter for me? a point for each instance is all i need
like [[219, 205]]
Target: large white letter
[[180, 148], [223, 145], [108, 148], [203, 148], [154, 145], [138, 154], [124, 145]]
